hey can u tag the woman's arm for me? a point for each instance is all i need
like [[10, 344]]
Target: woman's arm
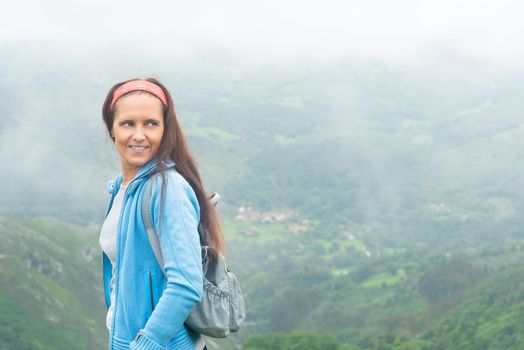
[[177, 230]]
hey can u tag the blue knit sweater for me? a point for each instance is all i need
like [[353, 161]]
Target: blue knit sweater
[[150, 309]]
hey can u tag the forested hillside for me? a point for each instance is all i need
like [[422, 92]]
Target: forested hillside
[[366, 205], [50, 295]]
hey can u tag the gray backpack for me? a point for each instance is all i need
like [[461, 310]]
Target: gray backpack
[[221, 309]]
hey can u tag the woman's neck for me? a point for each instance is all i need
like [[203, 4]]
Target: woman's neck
[[128, 173]]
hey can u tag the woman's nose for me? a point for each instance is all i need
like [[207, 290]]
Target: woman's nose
[[139, 134]]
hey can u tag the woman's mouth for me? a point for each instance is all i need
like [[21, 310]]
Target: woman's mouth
[[138, 149]]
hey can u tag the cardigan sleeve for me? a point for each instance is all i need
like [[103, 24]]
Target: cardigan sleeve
[[177, 229]]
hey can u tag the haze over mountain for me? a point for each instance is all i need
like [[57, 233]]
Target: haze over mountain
[[355, 142], [370, 168]]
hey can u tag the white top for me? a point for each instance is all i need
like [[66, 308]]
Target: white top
[[108, 243]]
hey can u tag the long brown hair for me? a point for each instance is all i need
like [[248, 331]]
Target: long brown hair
[[174, 147]]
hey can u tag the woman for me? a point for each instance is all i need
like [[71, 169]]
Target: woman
[[145, 309]]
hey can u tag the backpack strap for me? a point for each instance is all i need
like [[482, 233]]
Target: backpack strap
[[146, 217], [150, 229]]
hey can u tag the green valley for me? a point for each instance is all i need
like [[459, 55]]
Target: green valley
[[365, 205]]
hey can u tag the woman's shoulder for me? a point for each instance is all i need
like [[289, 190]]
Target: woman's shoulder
[[172, 178], [175, 184], [178, 192]]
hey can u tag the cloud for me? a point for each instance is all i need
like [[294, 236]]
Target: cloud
[[277, 30]]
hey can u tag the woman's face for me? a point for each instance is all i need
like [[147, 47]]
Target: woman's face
[[138, 127]]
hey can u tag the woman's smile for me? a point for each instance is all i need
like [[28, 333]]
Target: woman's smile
[[139, 149]]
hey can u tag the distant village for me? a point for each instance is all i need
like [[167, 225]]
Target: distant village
[[271, 217], [250, 214]]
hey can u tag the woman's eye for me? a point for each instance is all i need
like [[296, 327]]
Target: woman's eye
[[152, 123], [126, 123]]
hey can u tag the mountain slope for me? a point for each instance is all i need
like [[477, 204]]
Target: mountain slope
[[50, 295]]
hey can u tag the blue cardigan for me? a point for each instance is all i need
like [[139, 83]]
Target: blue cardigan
[[150, 309]]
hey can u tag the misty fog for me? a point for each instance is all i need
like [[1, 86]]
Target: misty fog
[[392, 131]]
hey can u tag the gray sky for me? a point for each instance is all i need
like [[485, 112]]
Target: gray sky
[[278, 30]]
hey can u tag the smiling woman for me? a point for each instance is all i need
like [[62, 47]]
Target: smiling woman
[[147, 308]]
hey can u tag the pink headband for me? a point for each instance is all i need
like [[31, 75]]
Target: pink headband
[[138, 85]]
